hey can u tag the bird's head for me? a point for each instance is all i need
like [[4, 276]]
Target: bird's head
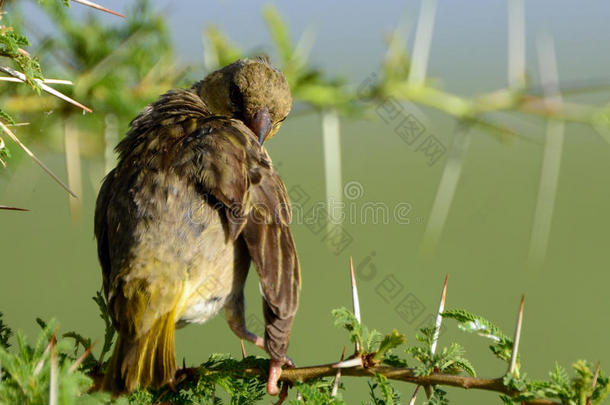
[[251, 90]]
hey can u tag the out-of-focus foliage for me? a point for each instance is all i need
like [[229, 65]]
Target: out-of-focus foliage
[[32, 374], [308, 85], [12, 44], [116, 70]]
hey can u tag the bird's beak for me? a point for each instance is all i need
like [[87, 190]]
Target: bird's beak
[[261, 124]]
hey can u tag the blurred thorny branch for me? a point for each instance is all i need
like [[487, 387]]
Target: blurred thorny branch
[[319, 91], [26, 69], [134, 63]]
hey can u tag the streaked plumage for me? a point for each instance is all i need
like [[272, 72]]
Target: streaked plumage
[[193, 200]]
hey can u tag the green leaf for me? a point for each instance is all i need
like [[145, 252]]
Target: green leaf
[[439, 397], [449, 360], [218, 50], [346, 319], [388, 343], [393, 360], [502, 344], [317, 392], [109, 330], [6, 118], [389, 396]]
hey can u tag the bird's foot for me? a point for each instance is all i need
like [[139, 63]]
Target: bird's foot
[[275, 372]]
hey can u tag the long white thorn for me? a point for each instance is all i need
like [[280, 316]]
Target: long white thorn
[[516, 43], [551, 160], [414, 396], [515, 352], [243, 349], [53, 378], [6, 207], [73, 167], [594, 381], [335, 389], [331, 140], [446, 190], [437, 331], [43, 86], [355, 299], [38, 161], [82, 358], [98, 7], [439, 316], [355, 362], [423, 41], [45, 81]]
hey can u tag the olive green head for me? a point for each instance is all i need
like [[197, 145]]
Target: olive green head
[[251, 90]]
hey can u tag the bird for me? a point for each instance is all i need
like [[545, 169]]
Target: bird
[[194, 200]]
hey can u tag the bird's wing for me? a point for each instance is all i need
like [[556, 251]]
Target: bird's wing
[[236, 171], [101, 227], [271, 246]]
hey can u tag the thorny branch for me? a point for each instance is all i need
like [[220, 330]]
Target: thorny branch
[[302, 374]]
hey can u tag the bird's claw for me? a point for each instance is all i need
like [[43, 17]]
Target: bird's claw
[[275, 372]]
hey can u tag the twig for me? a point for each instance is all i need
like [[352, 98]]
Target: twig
[[98, 7], [497, 101], [43, 86], [293, 375], [38, 161], [515, 352]]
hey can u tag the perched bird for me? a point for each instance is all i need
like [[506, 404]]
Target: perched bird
[[193, 200]]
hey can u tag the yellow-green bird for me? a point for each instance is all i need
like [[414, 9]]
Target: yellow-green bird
[[193, 200]]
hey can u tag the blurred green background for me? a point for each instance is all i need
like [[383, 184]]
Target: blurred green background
[[48, 260]]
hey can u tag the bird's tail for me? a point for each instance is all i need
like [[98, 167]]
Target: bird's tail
[[148, 360]]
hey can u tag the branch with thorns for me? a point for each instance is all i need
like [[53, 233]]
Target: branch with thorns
[[363, 364]]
